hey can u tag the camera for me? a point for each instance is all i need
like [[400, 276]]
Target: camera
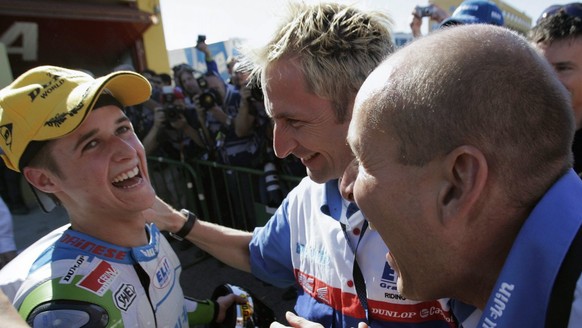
[[208, 98], [421, 11], [171, 111]]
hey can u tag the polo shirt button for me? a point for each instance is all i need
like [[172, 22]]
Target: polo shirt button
[[356, 231], [350, 283]]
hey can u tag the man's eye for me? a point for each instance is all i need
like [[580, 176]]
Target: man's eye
[[293, 123], [91, 144], [123, 129], [561, 68]]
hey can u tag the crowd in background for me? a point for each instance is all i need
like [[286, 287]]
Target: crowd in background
[[199, 116]]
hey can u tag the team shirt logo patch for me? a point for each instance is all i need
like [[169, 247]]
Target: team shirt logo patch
[[306, 282], [125, 296], [163, 273], [99, 280], [68, 278]]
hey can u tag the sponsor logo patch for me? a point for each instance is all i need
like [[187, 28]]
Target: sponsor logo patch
[[91, 247], [323, 294], [389, 278], [306, 282], [163, 273], [68, 278], [99, 280], [124, 296]]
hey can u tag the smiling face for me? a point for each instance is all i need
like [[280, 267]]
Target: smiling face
[[102, 167], [305, 125], [398, 201]]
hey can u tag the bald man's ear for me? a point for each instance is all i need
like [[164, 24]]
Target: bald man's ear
[[465, 173], [39, 179]]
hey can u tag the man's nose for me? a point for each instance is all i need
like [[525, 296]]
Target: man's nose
[[283, 143], [347, 181]]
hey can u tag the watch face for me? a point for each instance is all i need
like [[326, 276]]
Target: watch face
[[176, 236]]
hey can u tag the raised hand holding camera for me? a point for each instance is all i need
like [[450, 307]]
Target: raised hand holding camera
[[423, 11]]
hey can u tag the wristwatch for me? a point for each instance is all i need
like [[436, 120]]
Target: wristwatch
[[187, 227]]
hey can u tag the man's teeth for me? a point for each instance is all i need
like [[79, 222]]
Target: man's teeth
[[126, 175]]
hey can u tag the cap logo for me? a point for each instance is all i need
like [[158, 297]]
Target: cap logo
[[48, 88], [6, 133], [469, 7], [59, 118]]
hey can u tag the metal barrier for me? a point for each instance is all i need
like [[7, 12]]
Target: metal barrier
[[237, 196], [178, 184], [228, 195]]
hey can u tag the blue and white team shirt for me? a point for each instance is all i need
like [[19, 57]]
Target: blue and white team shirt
[[304, 244]]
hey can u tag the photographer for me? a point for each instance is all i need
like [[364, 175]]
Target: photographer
[[252, 116], [176, 131], [184, 73], [169, 129], [431, 11], [468, 12], [235, 145]]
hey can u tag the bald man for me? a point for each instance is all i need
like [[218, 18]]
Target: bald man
[[464, 167]]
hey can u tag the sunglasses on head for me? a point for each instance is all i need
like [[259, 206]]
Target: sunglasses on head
[[572, 9]]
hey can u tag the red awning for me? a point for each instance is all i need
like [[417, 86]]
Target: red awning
[[74, 34]]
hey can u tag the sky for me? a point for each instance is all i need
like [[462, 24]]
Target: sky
[[221, 20]]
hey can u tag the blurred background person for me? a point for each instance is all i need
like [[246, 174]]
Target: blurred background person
[[7, 244], [431, 11], [230, 68], [558, 36], [11, 190], [468, 12]]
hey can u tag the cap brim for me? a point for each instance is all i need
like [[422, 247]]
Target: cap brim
[[459, 20], [129, 88]]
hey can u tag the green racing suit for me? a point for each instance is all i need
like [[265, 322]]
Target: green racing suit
[[70, 279]]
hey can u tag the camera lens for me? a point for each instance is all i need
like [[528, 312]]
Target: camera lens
[[207, 100]]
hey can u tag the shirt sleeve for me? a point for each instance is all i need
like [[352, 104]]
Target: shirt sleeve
[[270, 250], [211, 66], [200, 311]]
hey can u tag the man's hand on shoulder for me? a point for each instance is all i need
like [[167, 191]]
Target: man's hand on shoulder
[[164, 216]]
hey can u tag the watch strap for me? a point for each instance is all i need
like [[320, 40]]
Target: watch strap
[[187, 227]]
